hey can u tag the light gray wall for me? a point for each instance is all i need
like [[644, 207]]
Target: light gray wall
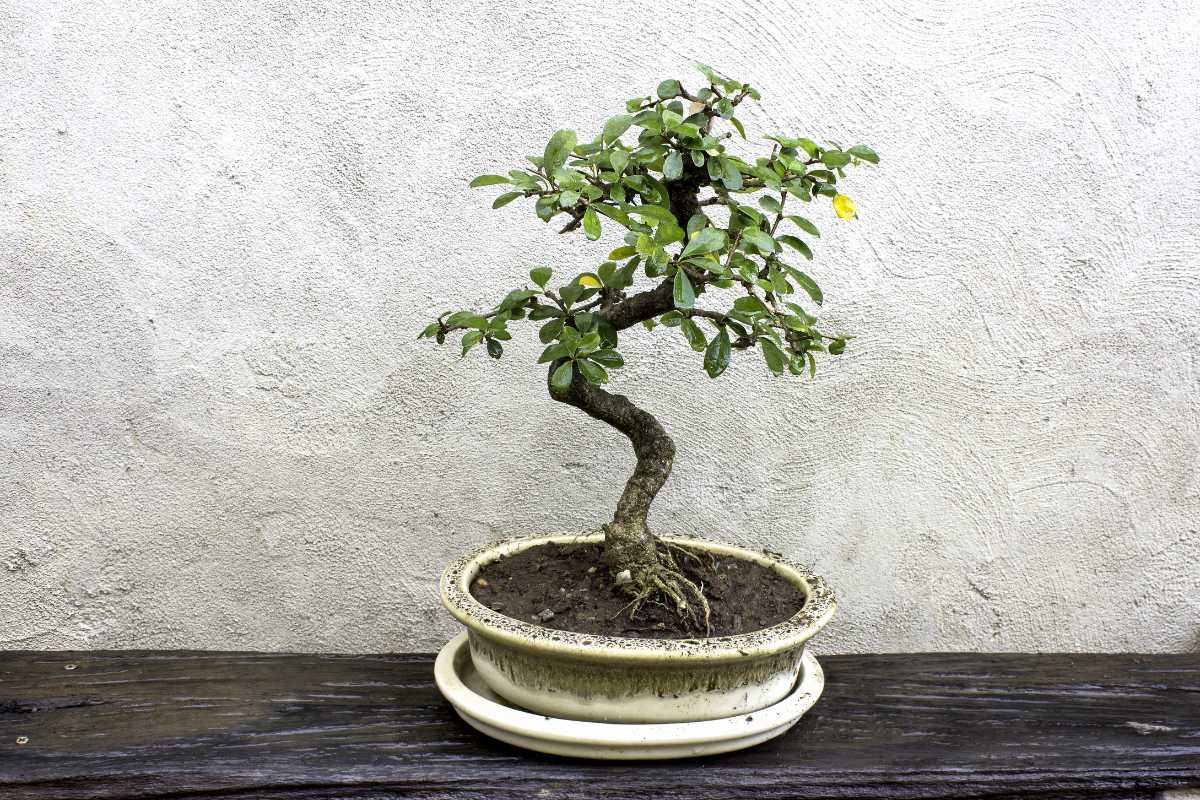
[[222, 224]]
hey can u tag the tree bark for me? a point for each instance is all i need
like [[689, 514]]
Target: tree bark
[[685, 192], [628, 542]]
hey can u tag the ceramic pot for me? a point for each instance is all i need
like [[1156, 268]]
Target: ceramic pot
[[580, 676]]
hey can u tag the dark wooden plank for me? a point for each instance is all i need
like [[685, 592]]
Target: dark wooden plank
[[196, 725]]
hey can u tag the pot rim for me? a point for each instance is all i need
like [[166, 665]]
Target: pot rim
[[456, 596]]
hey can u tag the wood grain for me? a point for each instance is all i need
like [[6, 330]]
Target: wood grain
[[239, 725]]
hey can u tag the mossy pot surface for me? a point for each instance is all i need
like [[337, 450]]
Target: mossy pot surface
[[581, 676]]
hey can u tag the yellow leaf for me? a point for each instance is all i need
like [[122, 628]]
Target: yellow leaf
[[589, 280], [844, 206]]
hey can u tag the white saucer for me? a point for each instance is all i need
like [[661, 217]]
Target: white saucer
[[487, 712]]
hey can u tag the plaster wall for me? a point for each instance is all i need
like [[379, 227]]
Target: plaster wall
[[223, 223]]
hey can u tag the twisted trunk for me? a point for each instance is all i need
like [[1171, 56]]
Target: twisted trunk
[[629, 545], [628, 542]]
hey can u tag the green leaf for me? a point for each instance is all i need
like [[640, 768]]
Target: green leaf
[[761, 240], [645, 244], [589, 343], [812, 365], [669, 88], [785, 141], [591, 224], [864, 152], [779, 283], [608, 358], [470, 339], [593, 373], [796, 244], [796, 323], [837, 347], [612, 213], [626, 273], [804, 225], [515, 298], [808, 285], [684, 293], [554, 352], [835, 158], [673, 166], [623, 252], [488, 180], [716, 168], [706, 240], [545, 207], [544, 311], [550, 331], [750, 213], [557, 149], [430, 330], [769, 203], [716, 355], [619, 160], [732, 178], [606, 272], [615, 127], [523, 179], [776, 360], [654, 212], [737, 123], [568, 178], [668, 233], [494, 348], [571, 292], [749, 305], [465, 319], [560, 380], [505, 199], [540, 275], [693, 334]]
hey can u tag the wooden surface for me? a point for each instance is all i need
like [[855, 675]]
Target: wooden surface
[[189, 725]]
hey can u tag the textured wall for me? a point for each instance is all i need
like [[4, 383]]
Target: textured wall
[[222, 224]]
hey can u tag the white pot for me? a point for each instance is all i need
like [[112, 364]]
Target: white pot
[[582, 676]]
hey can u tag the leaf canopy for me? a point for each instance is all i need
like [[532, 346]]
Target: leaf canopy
[[624, 175]]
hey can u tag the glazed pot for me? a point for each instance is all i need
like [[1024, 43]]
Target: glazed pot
[[582, 676]]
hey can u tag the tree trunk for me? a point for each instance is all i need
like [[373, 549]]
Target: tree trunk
[[628, 542], [653, 573]]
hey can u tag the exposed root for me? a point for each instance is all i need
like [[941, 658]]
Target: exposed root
[[663, 580], [688, 555]]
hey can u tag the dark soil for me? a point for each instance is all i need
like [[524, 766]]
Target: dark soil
[[567, 587]]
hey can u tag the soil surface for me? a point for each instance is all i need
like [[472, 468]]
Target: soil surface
[[567, 587]]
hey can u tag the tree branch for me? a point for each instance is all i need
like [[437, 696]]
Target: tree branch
[[640, 307]]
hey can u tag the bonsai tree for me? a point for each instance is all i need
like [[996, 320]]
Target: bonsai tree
[[708, 241]]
